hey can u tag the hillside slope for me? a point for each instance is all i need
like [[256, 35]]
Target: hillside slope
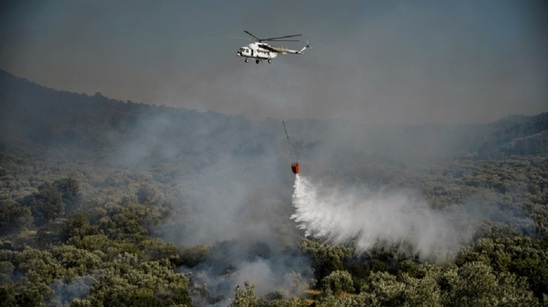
[[40, 116]]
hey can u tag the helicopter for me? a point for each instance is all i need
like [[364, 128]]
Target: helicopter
[[259, 50]]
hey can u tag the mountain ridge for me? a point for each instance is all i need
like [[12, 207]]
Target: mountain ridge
[[44, 116]]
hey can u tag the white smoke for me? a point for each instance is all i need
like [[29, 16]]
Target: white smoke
[[367, 217]]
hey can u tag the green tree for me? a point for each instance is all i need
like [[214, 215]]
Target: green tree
[[245, 298], [76, 261], [325, 258], [14, 217], [383, 289], [69, 189], [46, 204], [475, 284], [423, 289], [129, 281], [77, 225], [337, 282], [7, 295]]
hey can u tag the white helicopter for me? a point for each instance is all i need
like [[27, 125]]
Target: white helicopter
[[259, 50]]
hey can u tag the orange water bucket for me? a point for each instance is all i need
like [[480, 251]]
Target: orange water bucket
[[295, 168]]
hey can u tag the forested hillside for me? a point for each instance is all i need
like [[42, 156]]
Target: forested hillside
[[105, 202]]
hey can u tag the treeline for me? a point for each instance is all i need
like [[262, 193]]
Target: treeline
[[64, 243], [502, 271], [92, 258]]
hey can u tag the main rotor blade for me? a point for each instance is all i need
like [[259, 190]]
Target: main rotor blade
[[281, 40], [255, 37], [279, 37], [231, 36]]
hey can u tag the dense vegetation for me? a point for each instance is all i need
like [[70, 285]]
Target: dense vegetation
[[94, 194]]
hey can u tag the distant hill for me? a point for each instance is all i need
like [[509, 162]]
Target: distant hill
[[517, 135], [38, 117], [41, 117], [46, 116]]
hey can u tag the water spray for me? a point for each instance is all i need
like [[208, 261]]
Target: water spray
[[342, 214]]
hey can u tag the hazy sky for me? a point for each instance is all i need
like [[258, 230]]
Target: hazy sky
[[373, 61]]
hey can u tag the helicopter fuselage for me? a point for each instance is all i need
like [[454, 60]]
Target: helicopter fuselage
[[257, 51]]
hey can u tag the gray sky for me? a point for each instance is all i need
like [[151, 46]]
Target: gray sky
[[373, 61]]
